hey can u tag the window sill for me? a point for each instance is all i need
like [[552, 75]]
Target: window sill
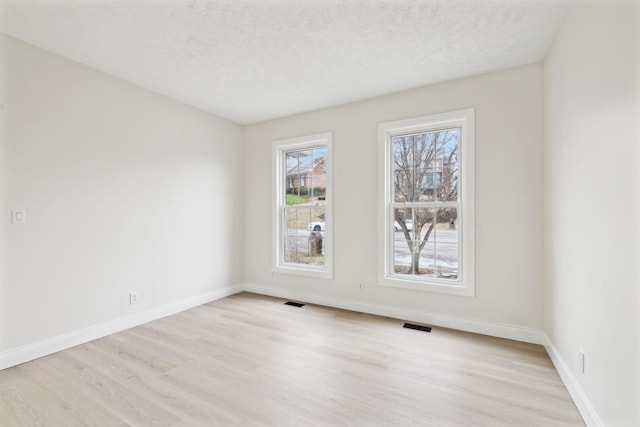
[[434, 286]]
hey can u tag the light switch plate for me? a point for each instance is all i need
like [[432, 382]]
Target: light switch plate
[[18, 216]]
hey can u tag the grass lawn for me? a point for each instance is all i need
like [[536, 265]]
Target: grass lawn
[[293, 199]]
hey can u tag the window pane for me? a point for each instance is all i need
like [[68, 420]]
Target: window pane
[[413, 229], [317, 185], [292, 178], [304, 235], [306, 179], [401, 184], [425, 166], [402, 168], [426, 242], [448, 164], [446, 243]]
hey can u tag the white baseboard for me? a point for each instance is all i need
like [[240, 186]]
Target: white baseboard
[[495, 329], [578, 395], [52, 345]]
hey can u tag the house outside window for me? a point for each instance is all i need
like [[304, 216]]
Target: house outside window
[[426, 203], [433, 180], [302, 213]]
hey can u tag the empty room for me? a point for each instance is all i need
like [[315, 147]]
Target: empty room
[[320, 213]]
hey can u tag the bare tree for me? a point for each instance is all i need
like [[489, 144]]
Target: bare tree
[[425, 170]]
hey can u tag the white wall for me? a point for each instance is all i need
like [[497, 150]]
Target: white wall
[[509, 133], [592, 190], [4, 209], [124, 190]]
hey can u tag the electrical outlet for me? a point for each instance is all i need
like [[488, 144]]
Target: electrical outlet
[[19, 216], [581, 360], [361, 286], [270, 274], [134, 297]]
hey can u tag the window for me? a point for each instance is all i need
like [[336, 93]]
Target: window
[[427, 203], [302, 224]]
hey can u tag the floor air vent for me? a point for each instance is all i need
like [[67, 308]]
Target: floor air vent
[[417, 327], [295, 304]]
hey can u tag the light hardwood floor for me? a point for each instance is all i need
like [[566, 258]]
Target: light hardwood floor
[[250, 360]]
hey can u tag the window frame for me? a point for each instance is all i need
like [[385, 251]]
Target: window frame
[[279, 149], [465, 121]]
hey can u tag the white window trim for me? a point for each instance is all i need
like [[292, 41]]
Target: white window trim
[[279, 199], [465, 119]]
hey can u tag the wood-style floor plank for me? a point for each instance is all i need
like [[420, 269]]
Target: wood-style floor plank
[[250, 360]]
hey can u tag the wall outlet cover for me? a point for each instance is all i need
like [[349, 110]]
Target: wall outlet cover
[[18, 216]]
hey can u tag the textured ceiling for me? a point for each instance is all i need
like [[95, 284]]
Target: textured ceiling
[[254, 60]]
